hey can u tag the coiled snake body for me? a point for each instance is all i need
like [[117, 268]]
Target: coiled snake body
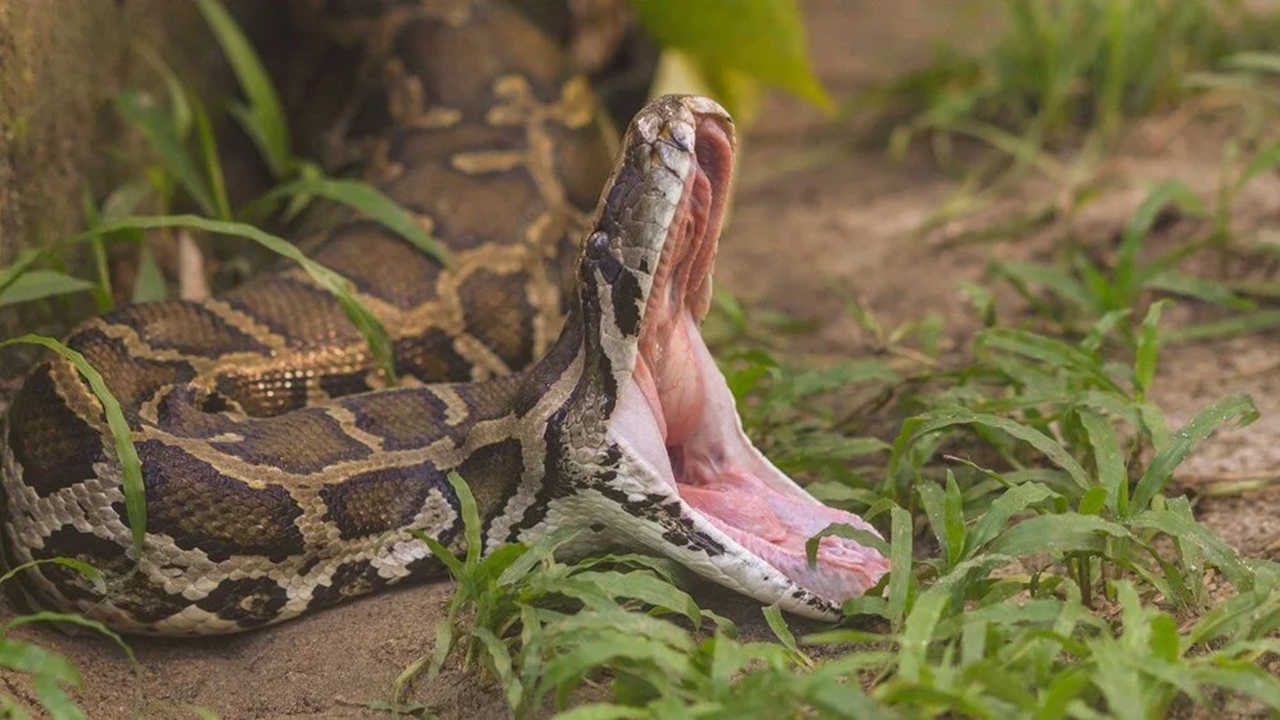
[[568, 386]]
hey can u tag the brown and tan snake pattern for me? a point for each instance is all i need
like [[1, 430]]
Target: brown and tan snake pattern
[[282, 477]]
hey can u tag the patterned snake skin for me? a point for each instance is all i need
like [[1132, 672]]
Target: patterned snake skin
[[282, 477]]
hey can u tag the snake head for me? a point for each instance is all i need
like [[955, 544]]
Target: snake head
[[673, 460]]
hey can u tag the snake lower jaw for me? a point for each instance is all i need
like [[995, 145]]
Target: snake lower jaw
[[678, 420]]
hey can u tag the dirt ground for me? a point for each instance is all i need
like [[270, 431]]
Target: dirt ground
[[809, 206]]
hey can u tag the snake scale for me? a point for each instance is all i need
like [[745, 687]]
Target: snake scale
[[555, 364]]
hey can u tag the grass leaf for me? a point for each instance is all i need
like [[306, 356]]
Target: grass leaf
[[899, 563], [156, 127], [37, 284], [370, 327], [1057, 534], [372, 202], [149, 285], [1238, 408], [263, 118]]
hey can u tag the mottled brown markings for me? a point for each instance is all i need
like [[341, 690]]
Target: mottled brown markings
[[381, 264], [55, 447], [484, 162], [306, 315], [311, 351], [133, 592], [456, 410], [132, 378], [488, 219], [185, 411], [248, 602], [379, 501], [403, 418], [495, 42], [203, 508], [189, 328], [264, 394], [302, 442], [575, 149], [436, 118], [498, 314], [68, 542], [485, 363], [431, 357], [349, 580], [501, 466]]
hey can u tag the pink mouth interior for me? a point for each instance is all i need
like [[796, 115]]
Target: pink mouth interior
[[680, 414]]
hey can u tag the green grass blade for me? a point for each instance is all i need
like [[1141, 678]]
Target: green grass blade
[[370, 327], [1245, 678], [1144, 364], [1237, 324], [1069, 532], [1013, 502], [103, 293], [1215, 550], [899, 563], [1169, 193], [932, 499], [212, 163], [1266, 62], [263, 118], [156, 127], [369, 200], [1196, 288], [916, 428], [470, 519], [1056, 280], [135, 500], [953, 520], [647, 588], [1237, 408], [79, 621], [603, 711], [1107, 456], [28, 658], [1264, 161], [773, 617], [849, 532], [149, 285], [90, 572], [37, 284]]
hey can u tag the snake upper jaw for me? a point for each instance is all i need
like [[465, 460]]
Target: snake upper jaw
[[691, 483]]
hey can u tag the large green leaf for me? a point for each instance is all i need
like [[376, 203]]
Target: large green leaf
[[764, 39]]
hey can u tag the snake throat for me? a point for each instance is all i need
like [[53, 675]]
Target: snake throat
[[677, 416]]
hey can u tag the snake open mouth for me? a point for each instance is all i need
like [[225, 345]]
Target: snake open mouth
[[678, 416]]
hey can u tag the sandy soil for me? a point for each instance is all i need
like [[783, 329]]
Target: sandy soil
[[809, 206]]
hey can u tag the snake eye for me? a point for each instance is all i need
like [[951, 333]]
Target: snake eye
[[597, 245], [598, 252]]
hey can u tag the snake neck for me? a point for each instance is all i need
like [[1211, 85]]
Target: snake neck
[[523, 430]]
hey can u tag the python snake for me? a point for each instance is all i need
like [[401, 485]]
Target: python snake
[[555, 364]]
